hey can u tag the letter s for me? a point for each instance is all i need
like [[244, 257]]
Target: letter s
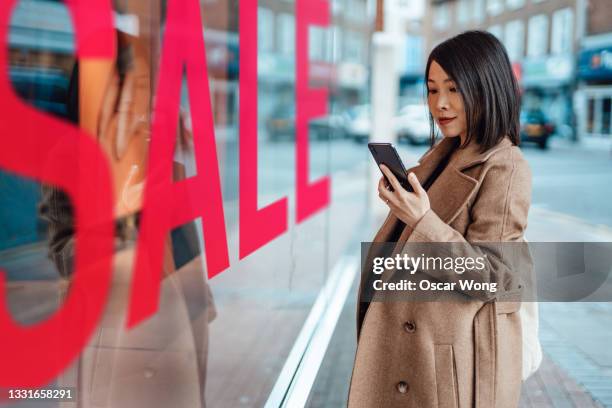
[[50, 151]]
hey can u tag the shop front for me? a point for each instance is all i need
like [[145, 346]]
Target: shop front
[[548, 86], [162, 253], [595, 92]]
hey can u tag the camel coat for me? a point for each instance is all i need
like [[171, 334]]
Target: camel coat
[[463, 353]]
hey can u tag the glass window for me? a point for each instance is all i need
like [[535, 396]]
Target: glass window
[[354, 46], [606, 116], [219, 333], [538, 35], [561, 40], [441, 17], [337, 43], [463, 11], [265, 29], [286, 33], [478, 10], [514, 39], [357, 10], [495, 7], [515, 4]]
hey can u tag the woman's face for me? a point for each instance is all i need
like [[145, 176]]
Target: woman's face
[[445, 103]]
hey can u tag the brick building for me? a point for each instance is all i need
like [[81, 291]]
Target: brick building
[[542, 38]]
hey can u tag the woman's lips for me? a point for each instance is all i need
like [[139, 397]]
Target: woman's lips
[[445, 121]]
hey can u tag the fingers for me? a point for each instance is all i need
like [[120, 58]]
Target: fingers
[[383, 192], [416, 185], [391, 177]]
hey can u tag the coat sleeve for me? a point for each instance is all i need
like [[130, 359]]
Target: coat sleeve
[[499, 219]]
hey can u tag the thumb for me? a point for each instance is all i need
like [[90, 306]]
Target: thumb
[[416, 185]]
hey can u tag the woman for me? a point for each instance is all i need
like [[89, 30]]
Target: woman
[[476, 188]]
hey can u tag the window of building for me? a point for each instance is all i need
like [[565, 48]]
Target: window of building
[[562, 30], [354, 46], [463, 11], [318, 43], [478, 10], [515, 39], [265, 29], [441, 17], [515, 4], [538, 35], [286, 33], [495, 7], [336, 43], [357, 10], [497, 31]]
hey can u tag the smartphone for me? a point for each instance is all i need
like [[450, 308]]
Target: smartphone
[[385, 153]]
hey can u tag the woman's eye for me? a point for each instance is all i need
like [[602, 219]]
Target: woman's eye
[[432, 91], [453, 89]]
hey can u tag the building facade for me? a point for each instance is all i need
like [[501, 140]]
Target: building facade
[[593, 98], [541, 37]]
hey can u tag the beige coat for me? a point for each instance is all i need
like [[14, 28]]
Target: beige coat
[[451, 354]]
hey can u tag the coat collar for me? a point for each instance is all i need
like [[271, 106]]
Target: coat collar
[[453, 188], [466, 157]]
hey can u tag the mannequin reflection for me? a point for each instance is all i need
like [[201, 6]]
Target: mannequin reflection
[[162, 362]]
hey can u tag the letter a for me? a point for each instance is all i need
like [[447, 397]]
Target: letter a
[[168, 204], [257, 226]]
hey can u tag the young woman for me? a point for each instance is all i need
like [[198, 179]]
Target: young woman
[[473, 186]]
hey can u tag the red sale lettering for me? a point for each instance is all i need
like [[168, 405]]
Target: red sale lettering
[[257, 226], [310, 103], [168, 204], [50, 151]]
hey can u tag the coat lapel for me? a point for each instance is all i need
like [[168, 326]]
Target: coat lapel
[[453, 188]]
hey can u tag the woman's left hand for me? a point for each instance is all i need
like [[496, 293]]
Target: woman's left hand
[[408, 207]]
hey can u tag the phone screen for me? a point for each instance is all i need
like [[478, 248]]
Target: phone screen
[[385, 153]]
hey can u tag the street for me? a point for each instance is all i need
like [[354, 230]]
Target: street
[[573, 180]]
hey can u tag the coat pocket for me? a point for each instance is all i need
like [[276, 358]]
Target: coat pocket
[[446, 376]]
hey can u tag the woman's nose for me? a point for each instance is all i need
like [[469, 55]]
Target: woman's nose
[[442, 102]]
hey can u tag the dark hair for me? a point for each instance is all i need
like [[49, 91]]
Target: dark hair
[[477, 62]]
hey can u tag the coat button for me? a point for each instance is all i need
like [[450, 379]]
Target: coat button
[[410, 327], [402, 387]]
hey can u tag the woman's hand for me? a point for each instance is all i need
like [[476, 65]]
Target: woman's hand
[[408, 207]]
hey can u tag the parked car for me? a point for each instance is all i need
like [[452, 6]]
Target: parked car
[[536, 128], [281, 125], [332, 126], [358, 123], [412, 124]]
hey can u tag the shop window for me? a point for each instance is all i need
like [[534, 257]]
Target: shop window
[[606, 116], [590, 115]]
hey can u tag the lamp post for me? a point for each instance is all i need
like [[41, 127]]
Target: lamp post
[[384, 95]]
